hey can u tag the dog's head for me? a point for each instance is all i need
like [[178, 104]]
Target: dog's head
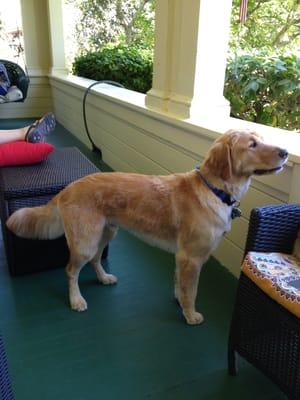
[[242, 154]]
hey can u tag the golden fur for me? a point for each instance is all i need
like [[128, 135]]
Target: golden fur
[[177, 212]]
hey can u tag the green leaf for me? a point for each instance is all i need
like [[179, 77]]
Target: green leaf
[[253, 85]]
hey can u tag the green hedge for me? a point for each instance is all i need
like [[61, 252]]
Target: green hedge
[[129, 65], [260, 89], [265, 90]]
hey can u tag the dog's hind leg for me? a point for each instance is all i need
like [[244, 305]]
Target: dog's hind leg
[[109, 232], [186, 285], [73, 269], [83, 230]]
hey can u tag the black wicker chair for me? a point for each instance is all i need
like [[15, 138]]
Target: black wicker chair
[[17, 77], [262, 331], [5, 384]]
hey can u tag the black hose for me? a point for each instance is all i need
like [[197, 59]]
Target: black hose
[[94, 147]]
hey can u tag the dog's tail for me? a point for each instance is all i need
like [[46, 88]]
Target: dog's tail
[[42, 222]]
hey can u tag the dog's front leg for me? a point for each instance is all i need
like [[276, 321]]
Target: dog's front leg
[[186, 285]]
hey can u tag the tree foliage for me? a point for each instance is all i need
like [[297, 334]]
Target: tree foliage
[[272, 27], [115, 21], [265, 90], [263, 70]]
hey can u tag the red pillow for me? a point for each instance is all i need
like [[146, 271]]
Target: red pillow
[[23, 153]]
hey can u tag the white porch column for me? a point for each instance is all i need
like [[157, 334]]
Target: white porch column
[[158, 96], [190, 58], [57, 36], [36, 36]]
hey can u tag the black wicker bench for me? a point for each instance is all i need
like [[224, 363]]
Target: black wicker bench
[[262, 331], [5, 384], [34, 185]]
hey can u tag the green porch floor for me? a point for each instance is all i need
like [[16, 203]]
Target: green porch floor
[[132, 343]]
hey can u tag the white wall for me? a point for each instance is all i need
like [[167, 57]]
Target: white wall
[[133, 138]]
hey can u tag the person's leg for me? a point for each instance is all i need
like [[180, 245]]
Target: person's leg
[[34, 133], [12, 135]]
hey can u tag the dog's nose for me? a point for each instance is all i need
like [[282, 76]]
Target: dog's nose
[[283, 153]]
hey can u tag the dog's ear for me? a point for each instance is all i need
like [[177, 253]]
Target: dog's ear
[[220, 160]]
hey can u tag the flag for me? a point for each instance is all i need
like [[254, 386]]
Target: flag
[[243, 11]]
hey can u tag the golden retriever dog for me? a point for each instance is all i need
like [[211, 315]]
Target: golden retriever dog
[[185, 213]]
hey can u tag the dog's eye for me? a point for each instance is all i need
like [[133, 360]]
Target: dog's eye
[[253, 144]]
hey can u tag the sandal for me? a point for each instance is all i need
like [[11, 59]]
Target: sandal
[[40, 128]]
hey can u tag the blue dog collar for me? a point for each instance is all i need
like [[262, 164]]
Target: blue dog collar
[[222, 195]]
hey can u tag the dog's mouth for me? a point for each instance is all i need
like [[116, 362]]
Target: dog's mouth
[[268, 171]]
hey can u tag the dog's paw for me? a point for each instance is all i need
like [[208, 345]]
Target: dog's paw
[[109, 279], [193, 318], [78, 304]]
